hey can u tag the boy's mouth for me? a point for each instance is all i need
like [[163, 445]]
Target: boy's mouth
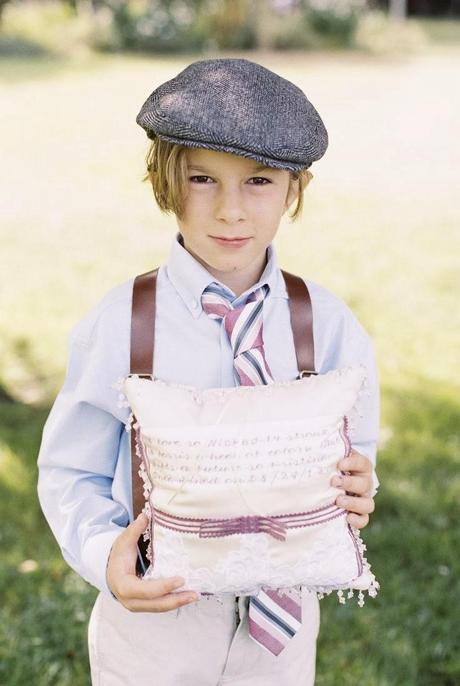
[[235, 242]]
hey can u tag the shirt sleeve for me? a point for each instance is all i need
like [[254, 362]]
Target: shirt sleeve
[[341, 340], [365, 432], [80, 448]]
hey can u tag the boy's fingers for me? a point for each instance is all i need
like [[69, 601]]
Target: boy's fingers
[[354, 484], [355, 462], [129, 537], [163, 604], [360, 504], [358, 521], [136, 527], [123, 554], [137, 589]]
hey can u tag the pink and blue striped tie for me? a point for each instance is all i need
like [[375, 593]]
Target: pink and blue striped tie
[[273, 617]]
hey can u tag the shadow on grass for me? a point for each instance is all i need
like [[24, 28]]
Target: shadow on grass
[[44, 606], [407, 636], [13, 46]]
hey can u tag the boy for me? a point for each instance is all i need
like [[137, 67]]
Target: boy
[[232, 142]]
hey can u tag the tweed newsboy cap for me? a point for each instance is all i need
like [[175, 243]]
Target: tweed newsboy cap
[[238, 106]]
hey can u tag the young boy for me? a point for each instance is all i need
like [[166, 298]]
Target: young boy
[[231, 144]]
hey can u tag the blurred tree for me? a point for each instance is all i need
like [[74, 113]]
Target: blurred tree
[[398, 8], [2, 5], [234, 23]]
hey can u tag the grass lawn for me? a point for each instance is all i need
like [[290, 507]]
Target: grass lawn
[[380, 228]]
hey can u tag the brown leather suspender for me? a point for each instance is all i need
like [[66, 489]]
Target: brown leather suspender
[[141, 362], [301, 322], [143, 323], [142, 351]]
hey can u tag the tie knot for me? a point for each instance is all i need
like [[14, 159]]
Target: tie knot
[[217, 301], [242, 318]]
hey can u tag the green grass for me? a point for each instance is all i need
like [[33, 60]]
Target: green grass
[[380, 229], [408, 634], [44, 611]]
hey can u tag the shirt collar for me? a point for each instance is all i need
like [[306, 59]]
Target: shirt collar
[[189, 277]]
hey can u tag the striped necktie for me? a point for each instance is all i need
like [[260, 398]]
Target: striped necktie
[[273, 618]]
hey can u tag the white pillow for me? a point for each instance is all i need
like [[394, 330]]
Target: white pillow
[[238, 480]]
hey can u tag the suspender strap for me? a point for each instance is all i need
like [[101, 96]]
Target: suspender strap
[[301, 322], [141, 362], [143, 323], [142, 351]]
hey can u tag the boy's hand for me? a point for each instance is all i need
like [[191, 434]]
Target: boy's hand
[[153, 595], [358, 487]]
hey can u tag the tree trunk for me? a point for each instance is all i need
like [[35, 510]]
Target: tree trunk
[[259, 10], [2, 5], [398, 9]]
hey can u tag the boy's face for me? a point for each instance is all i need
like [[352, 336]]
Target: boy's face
[[232, 211]]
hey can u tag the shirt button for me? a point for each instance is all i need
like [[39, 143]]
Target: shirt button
[[194, 303]]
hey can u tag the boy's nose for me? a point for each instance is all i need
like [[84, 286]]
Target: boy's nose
[[229, 207]]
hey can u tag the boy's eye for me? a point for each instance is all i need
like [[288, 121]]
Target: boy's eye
[[260, 178], [199, 180], [192, 178]]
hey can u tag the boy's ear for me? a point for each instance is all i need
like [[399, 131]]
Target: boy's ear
[[292, 194]]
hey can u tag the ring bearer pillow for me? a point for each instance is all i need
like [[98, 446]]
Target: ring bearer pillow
[[238, 483], [236, 480]]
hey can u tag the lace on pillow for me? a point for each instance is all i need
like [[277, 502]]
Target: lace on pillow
[[144, 467], [144, 473], [123, 401], [360, 546]]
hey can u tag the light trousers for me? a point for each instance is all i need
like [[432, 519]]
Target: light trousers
[[205, 643]]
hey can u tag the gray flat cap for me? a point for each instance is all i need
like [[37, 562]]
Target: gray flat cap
[[238, 106]]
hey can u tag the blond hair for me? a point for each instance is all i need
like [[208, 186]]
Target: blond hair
[[167, 172]]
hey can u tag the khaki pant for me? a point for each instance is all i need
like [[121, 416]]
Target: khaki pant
[[201, 644]]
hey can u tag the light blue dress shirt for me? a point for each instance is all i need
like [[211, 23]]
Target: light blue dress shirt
[[84, 484]]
